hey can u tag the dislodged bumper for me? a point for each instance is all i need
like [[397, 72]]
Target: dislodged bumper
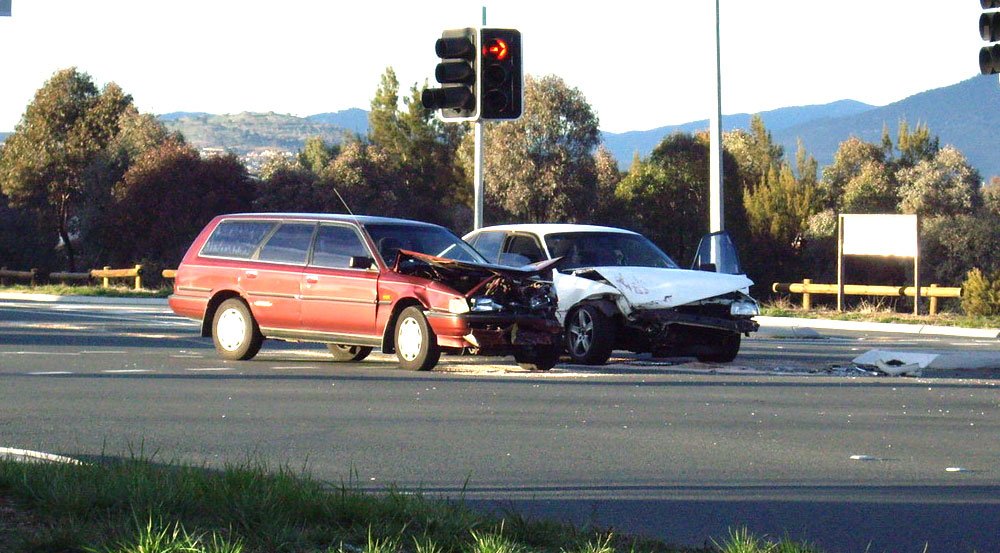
[[494, 333], [666, 317]]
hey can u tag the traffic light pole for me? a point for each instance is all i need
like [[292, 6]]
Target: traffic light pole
[[477, 178], [715, 196]]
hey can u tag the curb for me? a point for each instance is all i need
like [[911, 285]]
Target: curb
[[52, 298], [858, 326]]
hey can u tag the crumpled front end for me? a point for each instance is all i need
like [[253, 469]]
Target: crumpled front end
[[496, 310], [689, 328]]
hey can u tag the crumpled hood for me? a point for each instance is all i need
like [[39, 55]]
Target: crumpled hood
[[655, 288]]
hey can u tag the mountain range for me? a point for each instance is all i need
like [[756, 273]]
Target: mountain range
[[964, 115]]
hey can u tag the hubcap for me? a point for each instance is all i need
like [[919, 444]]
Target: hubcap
[[581, 332], [231, 329], [410, 339]]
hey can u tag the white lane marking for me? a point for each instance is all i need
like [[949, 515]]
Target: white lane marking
[[209, 369], [64, 354], [12, 452], [49, 373], [103, 352], [293, 368], [126, 371]]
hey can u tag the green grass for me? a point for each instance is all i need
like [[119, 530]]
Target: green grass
[[90, 291], [134, 505]]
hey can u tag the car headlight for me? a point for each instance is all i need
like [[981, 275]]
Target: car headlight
[[481, 304], [458, 306], [744, 308]]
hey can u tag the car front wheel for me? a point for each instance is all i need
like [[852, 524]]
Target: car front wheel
[[340, 352], [235, 332], [539, 358], [590, 335], [416, 344], [724, 348]]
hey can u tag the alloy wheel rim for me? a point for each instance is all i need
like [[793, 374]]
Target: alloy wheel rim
[[581, 332], [410, 339], [231, 329]]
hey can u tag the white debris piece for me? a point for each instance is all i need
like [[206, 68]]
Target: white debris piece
[[863, 458], [896, 363]]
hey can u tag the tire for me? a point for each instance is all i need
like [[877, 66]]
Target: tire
[[726, 345], [235, 332], [416, 344], [590, 335], [343, 353], [539, 358]]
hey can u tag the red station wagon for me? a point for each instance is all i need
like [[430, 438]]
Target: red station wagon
[[358, 283]]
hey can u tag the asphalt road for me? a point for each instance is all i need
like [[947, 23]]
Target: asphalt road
[[667, 448]]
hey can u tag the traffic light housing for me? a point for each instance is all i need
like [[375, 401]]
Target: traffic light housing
[[500, 74], [458, 73], [989, 30]]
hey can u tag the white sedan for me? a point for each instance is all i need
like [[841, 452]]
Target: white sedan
[[617, 290]]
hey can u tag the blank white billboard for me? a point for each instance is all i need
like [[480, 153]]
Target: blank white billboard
[[885, 235]]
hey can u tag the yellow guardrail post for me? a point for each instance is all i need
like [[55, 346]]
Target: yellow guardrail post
[[806, 296], [107, 280]]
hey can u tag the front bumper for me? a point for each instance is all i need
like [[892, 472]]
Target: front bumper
[[494, 333], [663, 318]]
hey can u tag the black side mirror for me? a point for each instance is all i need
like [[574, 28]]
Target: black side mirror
[[361, 262]]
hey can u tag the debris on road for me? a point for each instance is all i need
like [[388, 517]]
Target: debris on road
[[895, 363], [864, 458]]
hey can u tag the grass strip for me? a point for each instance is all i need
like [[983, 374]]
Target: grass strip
[[135, 505], [88, 291]]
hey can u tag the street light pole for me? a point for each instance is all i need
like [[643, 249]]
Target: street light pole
[[715, 195]]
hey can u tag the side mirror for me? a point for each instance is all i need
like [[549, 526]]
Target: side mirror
[[361, 262]]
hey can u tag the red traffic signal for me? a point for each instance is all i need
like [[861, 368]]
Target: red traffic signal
[[500, 74], [989, 30]]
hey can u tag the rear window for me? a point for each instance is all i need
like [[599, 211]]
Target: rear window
[[237, 239]]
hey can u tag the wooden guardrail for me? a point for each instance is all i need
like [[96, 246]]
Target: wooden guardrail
[[807, 288], [108, 273], [31, 276]]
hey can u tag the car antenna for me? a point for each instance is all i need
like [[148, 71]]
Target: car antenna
[[347, 207]]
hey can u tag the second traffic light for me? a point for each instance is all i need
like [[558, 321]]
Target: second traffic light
[[989, 30], [458, 74]]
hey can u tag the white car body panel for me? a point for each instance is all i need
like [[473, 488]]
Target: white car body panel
[[645, 287]]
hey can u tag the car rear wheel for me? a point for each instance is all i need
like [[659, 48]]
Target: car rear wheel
[[235, 332], [590, 335], [539, 358], [340, 352], [724, 348], [416, 344]]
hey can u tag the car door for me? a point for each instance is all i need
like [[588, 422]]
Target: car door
[[339, 285], [272, 282]]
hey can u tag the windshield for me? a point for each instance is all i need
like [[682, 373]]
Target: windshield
[[390, 238], [606, 249]]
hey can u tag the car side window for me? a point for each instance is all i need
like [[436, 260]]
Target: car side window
[[526, 246], [335, 245], [236, 239], [489, 243], [288, 244]]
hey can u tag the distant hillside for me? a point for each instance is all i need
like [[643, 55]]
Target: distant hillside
[[625, 145], [3, 136], [181, 115], [246, 132], [353, 119], [965, 115]]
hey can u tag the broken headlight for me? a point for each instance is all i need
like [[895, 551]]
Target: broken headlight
[[482, 304], [744, 308]]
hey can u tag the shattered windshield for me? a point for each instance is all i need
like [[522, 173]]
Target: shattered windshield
[[390, 238], [606, 249]]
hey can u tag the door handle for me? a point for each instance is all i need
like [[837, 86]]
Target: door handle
[[250, 274], [312, 279]]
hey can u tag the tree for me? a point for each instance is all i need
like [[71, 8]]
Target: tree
[[541, 167], [849, 160], [168, 195], [60, 137], [780, 208], [945, 185]]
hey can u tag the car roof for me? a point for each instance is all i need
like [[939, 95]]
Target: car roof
[[333, 217], [544, 229]]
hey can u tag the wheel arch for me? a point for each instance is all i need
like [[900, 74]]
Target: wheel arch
[[388, 338], [213, 306]]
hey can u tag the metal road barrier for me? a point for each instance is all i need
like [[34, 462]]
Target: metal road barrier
[[807, 288]]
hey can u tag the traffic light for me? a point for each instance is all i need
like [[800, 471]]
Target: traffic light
[[989, 29], [458, 74], [500, 74]]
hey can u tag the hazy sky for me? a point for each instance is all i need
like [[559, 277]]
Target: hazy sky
[[640, 64]]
